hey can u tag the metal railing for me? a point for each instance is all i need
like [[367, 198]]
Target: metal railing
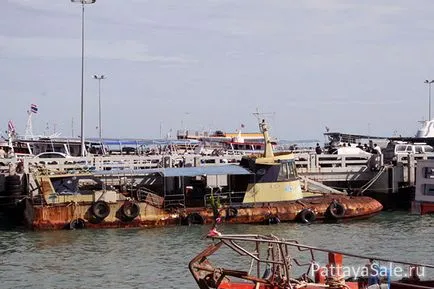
[[233, 199]]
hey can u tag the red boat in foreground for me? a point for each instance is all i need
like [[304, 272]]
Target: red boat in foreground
[[274, 263]]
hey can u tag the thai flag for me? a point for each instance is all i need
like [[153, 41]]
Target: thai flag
[[34, 108], [11, 126]]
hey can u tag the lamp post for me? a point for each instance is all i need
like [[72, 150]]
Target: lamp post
[[99, 78], [429, 97], [82, 2]]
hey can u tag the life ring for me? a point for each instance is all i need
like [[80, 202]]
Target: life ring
[[100, 210], [77, 224], [306, 216], [231, 212], [130, 211], [195, 219], [335, 210]]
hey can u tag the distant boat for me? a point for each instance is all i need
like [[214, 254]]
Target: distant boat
[[335, 140], [425, 134], [20, 148]]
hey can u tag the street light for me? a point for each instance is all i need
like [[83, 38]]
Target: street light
[[82, 2], [429, 98], [99, 78]]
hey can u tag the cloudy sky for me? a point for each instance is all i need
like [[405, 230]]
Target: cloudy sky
[[353, 66]]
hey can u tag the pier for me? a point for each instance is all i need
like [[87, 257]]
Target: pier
[[354, 174]]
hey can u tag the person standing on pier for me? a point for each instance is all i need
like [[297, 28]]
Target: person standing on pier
[[318, 149], [2, 153], [377, 149]]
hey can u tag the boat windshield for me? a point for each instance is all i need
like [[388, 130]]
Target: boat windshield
[[287, 171]]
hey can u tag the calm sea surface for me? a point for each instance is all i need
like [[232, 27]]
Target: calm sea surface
[[158, 258]]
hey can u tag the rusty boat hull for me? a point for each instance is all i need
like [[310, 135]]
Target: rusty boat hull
[[75, 215]]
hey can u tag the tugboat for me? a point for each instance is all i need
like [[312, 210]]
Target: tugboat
[[272, 263], [262, 189]]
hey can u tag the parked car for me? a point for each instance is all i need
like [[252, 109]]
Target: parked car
[[394, 149], [51, 155]]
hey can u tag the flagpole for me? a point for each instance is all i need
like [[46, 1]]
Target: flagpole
[[29, 128]]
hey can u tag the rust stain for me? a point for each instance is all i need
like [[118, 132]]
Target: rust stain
[[60, 216]]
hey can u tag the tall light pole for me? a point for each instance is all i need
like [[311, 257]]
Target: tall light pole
[[99, 78], [82, 2], [429, 97]]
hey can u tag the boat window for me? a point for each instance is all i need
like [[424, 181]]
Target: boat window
[[400, 148], [261, 172], [428, 149], [419, 149], [292, 170], [283, 172]]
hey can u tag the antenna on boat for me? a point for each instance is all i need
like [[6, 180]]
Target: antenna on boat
[[263, 127], [261, 115]]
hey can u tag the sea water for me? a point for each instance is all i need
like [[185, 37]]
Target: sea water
[[158, 258]]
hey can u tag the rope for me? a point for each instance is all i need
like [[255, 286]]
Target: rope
[[251, 266], [372, 181], [336, 282]]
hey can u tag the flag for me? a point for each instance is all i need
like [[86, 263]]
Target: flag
[[34, 108], [242, 125], [327, 128], [11, 127]]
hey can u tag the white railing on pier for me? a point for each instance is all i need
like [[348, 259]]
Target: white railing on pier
[[131, 162], [308, 162]]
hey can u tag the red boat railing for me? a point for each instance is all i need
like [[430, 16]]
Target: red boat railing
[[302, 247], [279, 265]]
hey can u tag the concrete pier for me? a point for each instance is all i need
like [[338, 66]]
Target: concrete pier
[[359, 174]]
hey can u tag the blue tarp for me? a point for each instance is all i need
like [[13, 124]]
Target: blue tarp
[[139, 142]]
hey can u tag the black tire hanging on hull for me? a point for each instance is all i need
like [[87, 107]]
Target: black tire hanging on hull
[[306, 216], [100, 210], [129, 211], [192, 219], [77, 224], [335, 211]]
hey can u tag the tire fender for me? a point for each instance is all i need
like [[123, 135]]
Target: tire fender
[[306, 216], [100, 210], [336, 210]]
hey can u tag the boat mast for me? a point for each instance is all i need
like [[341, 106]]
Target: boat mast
[[263, 127], [268, 151]]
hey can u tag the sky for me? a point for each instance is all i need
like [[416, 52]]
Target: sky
[[352, 66]]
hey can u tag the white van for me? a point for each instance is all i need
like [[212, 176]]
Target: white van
[[415, 148], [394, 149]]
